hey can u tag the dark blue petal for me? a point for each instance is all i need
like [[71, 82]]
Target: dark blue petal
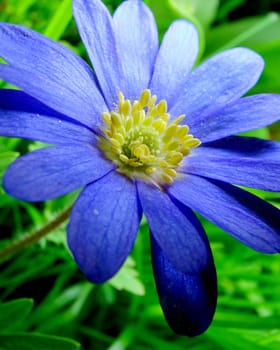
[[242, 115], [174, 229], [96, 29], [188, 300], [246, 217], [218, 81], [103, 226], [35, 126], [137, 39], [174, 61], [50, 73], [54, 171], [244, 161], [16, 100]]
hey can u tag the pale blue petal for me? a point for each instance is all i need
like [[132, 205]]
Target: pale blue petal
[[96, 29], [245, 114], [217, 82], [137, 39], [174, 61]]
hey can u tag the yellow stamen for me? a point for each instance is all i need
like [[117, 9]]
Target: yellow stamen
[[125, 108], [143, 142]]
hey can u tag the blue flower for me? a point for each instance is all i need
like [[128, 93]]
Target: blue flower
[[143, 134]]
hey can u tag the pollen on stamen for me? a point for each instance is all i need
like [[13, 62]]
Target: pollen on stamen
[[142, 141]]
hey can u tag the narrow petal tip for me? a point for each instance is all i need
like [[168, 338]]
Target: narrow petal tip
[[188, 301]]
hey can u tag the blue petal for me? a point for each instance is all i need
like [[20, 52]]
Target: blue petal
[[188, 300], [137, 39], [242, 115], [35, 126], [217, 82], [243, 161], [96, 29], [103, 226], [50, 73], [174, 229], [175, 59], [243, 215], [16, 100], [54, 171]]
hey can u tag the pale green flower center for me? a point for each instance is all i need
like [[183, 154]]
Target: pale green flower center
[[141, 141]]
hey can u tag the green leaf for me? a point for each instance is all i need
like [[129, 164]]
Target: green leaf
[[270, 79], [262, 133], [164, 14], [248, 32], [60, 20], [233, 340], [244, 320], [204, 11], [25, 341], [6, 158], [258, 33], [170, 10], [127, 279], [14, 312], [227, 6]]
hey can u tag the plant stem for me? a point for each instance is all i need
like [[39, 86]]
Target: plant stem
[[33, 237]]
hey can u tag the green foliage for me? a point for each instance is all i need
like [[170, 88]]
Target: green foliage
[[204, 11], [127, 279], [25, 341], [12, 317], [258, 33], [6, 158], [60, 20], [13, 313], [46, 301]]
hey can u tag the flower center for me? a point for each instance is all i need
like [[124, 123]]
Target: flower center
[[142, 142]]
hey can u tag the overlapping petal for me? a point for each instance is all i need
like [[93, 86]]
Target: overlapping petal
[[96, 30], [245, 114], [217, 82], [175, 229], [188, 300], [110, 213], [243, 215], [50, 73], [244, 161], [54, 171], [137, 40], [174, 61]]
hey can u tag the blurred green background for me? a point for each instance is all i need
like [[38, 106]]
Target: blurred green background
[[47, 304]]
